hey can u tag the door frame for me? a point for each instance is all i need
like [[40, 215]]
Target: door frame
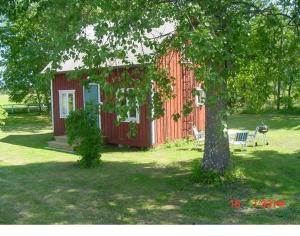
[[99, 100]]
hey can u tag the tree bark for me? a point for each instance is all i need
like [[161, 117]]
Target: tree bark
[[280, 72], [289, 104], [216, 149], [39, 101], [278, 94], [47, 101]]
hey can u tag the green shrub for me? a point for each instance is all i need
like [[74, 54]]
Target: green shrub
[[177, 143], [84, 134], [3, 116], [167, 144], [203, 176], [232, 175]]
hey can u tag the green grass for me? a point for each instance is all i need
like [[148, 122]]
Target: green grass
[[4, 99], [40, 186]]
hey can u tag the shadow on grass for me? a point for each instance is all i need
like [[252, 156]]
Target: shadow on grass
[[40, 141], [269, 175], [29, 140], [125, 192], [116, 192], [281, 171]]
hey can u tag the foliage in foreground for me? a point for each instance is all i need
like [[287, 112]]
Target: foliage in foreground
[[84, 134], [3, 116]]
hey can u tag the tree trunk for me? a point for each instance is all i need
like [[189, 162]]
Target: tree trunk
[[47, 101], [39, 101], [216, 150], [278, 94], [280, 72], [289, 104]]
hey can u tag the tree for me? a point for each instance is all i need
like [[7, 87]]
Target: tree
[[213, 35], [272, 65], [275, 51], [23, 57]]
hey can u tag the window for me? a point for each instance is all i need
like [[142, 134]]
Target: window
[[66, 102], [200, 97], [133, 113]]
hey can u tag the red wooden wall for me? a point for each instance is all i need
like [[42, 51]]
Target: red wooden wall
[[60, 82], [165, 127], [118, 134], [114, 134]]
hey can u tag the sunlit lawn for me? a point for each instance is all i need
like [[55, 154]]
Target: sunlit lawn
[[40, 186], [4, 100]]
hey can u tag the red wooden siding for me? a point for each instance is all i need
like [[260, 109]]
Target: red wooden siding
[[197, 117], [60, 82], [114, 134], [165, 127], [118, 134]]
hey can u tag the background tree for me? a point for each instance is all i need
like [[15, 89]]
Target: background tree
[[271, 68], [23, 57]]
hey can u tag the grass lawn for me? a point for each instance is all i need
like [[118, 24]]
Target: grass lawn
[[4, 99], [40, 186]]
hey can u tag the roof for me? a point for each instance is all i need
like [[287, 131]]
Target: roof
[[157, 34]]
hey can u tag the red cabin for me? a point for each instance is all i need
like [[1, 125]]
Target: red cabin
[[70, 94]]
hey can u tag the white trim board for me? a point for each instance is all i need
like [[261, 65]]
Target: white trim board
[[52, 110]]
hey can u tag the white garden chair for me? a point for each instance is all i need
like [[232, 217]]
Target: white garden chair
[[240, 138], [252, 138], [199, 135]]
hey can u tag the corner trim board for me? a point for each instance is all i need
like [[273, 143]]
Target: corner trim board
[[52, 110]]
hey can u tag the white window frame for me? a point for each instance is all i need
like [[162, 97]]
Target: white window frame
[[201, 92], [61, 92], [130, 119]]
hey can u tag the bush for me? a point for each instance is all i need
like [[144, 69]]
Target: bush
[[84, 134], [232, 175], [203, 176], [3, 116]]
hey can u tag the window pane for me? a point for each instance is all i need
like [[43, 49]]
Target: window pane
[[64, 110], [199, 98], [123, 101], [202, 96], [132, 113], [70, 101]]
